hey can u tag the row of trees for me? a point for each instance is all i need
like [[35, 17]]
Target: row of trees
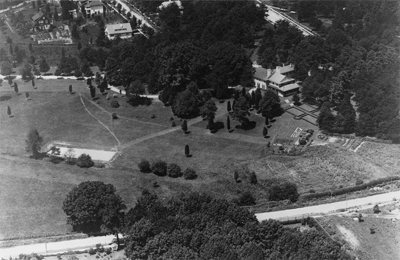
[[191, 226]]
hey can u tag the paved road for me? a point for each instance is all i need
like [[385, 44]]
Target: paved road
[[56, 247], [326, 208]]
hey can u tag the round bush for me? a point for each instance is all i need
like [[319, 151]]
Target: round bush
[[159, 168], [174, 170], [189, 174], [114, 104], [144, 166], [84, 161]]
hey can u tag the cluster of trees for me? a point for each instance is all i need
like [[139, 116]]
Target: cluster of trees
[[203, 46], [161, 168], [354, 71], [191, 226]]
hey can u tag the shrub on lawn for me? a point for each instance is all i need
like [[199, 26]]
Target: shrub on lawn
[[159, 168], [246, 199], [84, 161], [108, 250], [189, 174], [114, 104], [376, 209], [174, 170], [283, 191], [144, 166], [92, 251]]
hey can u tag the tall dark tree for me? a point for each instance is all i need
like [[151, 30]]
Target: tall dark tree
[[93, 206], [43, 66], [184, 126], [9, 111], [228, 123], [325, 118], [228, 107], [33, 143], [241, 110], [187, 151], [265, 132]]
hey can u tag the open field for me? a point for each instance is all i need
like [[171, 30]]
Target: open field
[[384, 244], [383, 155], [319, 168]]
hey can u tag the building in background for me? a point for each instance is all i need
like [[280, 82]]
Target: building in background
[[123, 30]]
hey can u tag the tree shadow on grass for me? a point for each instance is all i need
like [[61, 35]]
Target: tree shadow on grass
[[140, 101], [56, 160], [5, 98], [248, 126], [217, 126]]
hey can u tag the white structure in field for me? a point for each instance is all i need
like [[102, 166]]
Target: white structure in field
[[167, 3], [278, 80], [123, 30]]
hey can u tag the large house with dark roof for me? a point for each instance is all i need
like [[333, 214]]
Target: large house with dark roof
[[41, 22], [278, 80], [123, 30]]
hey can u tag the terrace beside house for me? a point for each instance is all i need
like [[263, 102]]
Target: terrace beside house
[[278, 80], [123, 30]]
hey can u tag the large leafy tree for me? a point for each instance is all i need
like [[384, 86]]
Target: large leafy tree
[[270, 104], [325, 118], [6, 68], [93, 206], [185, 105], [43, 66]]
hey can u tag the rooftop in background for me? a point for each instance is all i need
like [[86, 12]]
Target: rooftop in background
[[94, 3], [37, 16], [167, 3], [119, 28]]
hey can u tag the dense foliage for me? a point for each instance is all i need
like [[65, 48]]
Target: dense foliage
[[355, 69], [93, 206], [197, 226]]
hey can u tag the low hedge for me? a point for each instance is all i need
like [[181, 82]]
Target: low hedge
[[342, 191]]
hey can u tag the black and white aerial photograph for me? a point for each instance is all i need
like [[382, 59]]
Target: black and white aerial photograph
[[200, 130]]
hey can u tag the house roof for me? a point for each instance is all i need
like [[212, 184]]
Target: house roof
[[286, 69], [278, 78], [262, 73], [289, 87], [167, 3], [94, 3], [37, 16], [119, 28]]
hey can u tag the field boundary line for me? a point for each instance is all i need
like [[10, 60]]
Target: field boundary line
[[112, 133]]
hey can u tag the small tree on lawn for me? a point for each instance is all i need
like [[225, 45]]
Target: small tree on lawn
[[69, 156], [43, 66], [15, 87], [252, 177], [33, 143], [92, 92], [376, 209], [33, 83], [10, 82], [159, 168], [189, 174], [187, 151], [6, 69], [84, 161], [174, 170], [228, 123], [144, 166], [266, 120], [184, 126], [27, 95], [236, 176], [228, 106], [9, 111], [265, 132], [70, 89]]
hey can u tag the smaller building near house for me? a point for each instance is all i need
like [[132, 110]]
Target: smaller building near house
[[123, 30], [93, 7], [41, 22], [278, 79]]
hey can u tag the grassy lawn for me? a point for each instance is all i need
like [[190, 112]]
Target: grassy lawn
[[319, 168], [384, 244], [383, 155]]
